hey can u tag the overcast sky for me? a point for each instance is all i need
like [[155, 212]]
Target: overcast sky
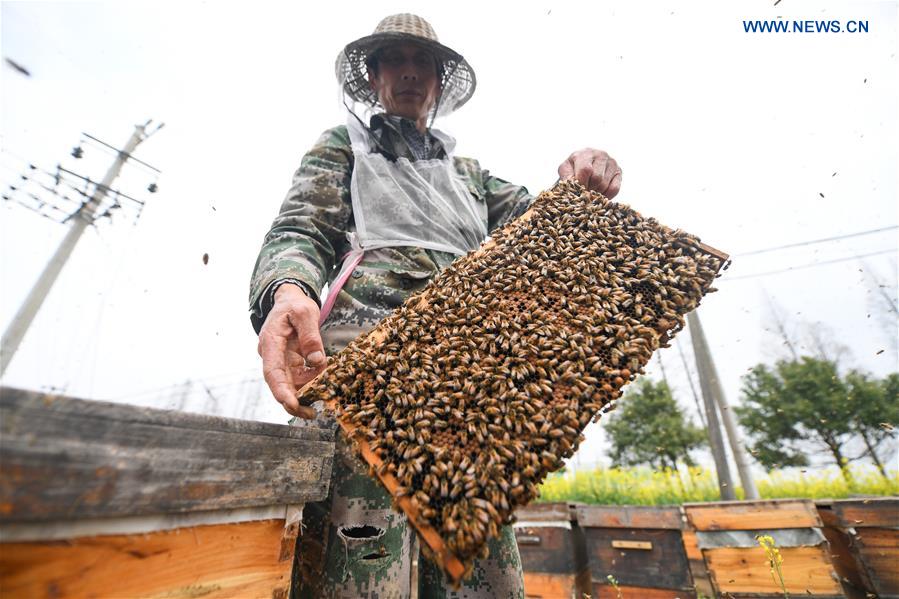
[[750, 141]]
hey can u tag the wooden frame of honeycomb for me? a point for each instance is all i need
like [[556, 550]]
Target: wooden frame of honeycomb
[[469, 394]]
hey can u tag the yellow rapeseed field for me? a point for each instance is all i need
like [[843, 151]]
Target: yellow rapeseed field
[[642, 486]]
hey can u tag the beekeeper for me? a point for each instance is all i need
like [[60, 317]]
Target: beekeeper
[[377, 208]]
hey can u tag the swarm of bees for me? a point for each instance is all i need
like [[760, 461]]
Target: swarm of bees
[[466, 397]]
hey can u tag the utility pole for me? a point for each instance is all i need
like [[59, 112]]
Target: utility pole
[[713, 394], [716, 441], [15, 332], [683, 360]]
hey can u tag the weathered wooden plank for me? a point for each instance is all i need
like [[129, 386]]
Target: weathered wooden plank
[[628, 544], [227, 560], [549, 550], [628, 516], [807, 571], [663, 566], [779, 595], [24, 403], [604, 590], [64, 458], [866, 513], [844, 559], [753, 515], [545, 549], [544, 512], [696, 562], [553, 553], [538, 585], [878, 549], [583, 584], [691, 545], [864, 543], [60, 530]]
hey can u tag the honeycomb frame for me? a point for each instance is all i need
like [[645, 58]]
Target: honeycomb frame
[[476, 388]]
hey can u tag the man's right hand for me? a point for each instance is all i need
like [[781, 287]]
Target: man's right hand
[[291, 347]]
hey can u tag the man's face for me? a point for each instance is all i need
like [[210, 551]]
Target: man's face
[[406, 81]]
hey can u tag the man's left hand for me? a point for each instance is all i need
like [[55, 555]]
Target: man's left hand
[[594, 169]]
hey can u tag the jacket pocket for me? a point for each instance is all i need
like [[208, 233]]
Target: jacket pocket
[[407, 280]]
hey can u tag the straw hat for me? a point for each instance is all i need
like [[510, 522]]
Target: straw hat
[[457, 77]]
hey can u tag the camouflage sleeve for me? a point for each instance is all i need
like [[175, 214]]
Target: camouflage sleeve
[[309, 234], [505, 201]]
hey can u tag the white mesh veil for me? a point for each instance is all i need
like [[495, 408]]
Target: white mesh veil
[[419, 204]]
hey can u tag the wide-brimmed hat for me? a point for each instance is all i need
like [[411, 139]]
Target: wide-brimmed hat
[[457, 77]]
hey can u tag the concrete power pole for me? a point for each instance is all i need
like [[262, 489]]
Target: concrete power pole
[[713, 394], [15, 332]]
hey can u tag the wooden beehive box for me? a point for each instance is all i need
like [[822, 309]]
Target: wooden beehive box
[[864, 538], [640, 547], [553, 556], [108, 500], [726, 534], [469, 394]]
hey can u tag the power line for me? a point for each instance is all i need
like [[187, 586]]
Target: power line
[[39, 212], [129, 156], [792, 268], [813, 241], [30, 173], [99, 186], [37, 203], [238, 376]]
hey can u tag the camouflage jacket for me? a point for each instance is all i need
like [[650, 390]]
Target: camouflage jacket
[[308, 238]]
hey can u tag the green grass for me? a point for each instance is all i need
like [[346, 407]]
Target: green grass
[[642, 486]]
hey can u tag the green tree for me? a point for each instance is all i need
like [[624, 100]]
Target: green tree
[[803, 401], [875, 409], [648, 427]]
